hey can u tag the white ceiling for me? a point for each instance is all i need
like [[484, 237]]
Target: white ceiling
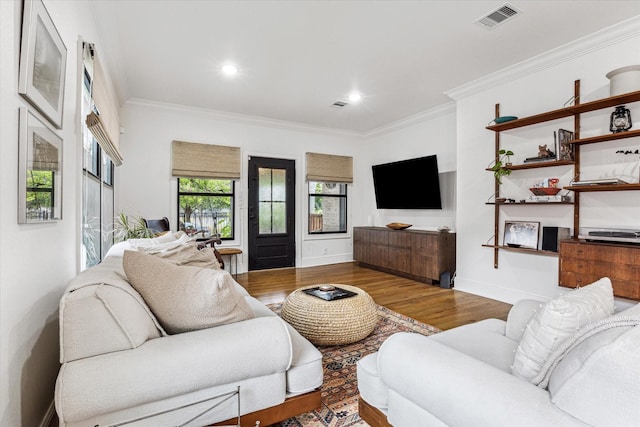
[[298, 57]]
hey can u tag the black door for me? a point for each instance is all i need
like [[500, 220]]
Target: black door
[[272, 241]]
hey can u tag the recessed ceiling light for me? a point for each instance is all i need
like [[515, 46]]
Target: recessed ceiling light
[[229, 70], [355, 97]]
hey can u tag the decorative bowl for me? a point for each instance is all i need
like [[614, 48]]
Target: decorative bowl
[[398, 225], [504, 119], [545, 191]]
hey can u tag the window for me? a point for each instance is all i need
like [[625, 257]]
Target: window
[[207, 204], [97, 191], [327, 207]]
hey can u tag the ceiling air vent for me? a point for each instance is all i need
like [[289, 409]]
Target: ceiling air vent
[[339, 104], [498, 16]]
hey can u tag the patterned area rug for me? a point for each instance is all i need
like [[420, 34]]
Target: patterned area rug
[[340, 388]]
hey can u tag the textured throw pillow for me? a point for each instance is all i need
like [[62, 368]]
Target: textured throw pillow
[[558, 320], [185, 298], [185, 254]]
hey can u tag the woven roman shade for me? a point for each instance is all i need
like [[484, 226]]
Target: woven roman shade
[[105, 126], [193, 160], [329, 168]]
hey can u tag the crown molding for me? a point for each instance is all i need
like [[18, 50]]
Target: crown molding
[[245, 118], [422, 116], [582, 46]]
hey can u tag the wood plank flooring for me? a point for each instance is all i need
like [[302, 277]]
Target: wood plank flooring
[[442, 308]]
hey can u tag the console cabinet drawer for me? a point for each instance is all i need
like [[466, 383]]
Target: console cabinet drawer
[[582, 263]]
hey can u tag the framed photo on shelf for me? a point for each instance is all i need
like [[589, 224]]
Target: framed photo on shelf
[[565, 148], [521, 234], [43, 58], [40, 171]]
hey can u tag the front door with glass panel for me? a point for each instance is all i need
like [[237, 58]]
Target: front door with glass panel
[[272, 241]]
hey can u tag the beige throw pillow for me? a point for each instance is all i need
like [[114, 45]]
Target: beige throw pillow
[[558, 320], [185, 254], [185, 298]]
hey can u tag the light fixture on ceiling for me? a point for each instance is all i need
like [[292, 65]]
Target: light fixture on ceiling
[[229, 70], [355, 97]]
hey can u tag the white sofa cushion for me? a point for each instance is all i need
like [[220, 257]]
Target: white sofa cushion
[[558, 320], [598, 381], [101, 313], [175, 365], [185, 298]]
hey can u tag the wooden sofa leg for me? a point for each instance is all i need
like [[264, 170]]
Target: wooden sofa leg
[[372, 415]]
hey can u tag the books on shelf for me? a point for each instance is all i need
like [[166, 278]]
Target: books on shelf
[[539, 159]]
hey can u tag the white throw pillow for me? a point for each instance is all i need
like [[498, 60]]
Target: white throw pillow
[[185, 298], [556, 321]]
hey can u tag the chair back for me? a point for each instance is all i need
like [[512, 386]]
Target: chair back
[[158, 225]]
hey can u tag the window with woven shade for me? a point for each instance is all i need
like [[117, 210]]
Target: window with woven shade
[[327, 178], [195, 160], [206, 187]]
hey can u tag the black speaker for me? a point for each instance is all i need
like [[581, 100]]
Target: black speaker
[[445, 280], [551, 237]]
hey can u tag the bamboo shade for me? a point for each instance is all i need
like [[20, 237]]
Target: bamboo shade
[[193, 160], [105, 126], [329, 168]]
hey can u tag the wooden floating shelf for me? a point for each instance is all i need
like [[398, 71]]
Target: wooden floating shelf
[[537, 165], [608, 137], [528, 203], [523, 250], [614, 187], [568, 111]]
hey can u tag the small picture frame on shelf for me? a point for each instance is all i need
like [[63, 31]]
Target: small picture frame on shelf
[[521, 234], [566, 150]]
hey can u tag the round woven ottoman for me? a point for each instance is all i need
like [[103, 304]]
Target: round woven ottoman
[[337, 322]]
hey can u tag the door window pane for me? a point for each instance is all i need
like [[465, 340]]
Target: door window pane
[[279, 185], [272, 214]]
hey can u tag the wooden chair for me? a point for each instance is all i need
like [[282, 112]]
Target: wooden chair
[[157, 225]]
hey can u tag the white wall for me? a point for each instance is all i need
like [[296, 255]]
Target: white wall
[[36, 260], [145, 186], [431, 133], [527, 92]]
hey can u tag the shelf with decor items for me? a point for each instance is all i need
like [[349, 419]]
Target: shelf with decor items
[[499, 204], [575, 112]]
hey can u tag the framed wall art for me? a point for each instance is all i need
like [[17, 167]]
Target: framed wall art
[[43, 58], [40, 171], [521, 234]]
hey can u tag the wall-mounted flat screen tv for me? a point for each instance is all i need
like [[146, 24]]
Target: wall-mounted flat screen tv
[[408, 184]]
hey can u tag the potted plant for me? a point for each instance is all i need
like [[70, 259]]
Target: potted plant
[[502, 165], [125, 228]]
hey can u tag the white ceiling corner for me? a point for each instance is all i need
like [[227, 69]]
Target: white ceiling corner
[[297, 58]]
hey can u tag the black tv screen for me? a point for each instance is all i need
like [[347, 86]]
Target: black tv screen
[[408, 184]]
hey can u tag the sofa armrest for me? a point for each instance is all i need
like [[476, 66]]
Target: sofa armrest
[[519, 316], [170, 366], [460, 390]]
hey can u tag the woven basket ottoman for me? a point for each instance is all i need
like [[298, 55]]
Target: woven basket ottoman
[[337, 322]]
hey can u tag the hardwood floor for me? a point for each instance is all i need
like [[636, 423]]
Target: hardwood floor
[[442, 308]]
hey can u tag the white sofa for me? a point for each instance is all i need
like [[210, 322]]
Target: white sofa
[[118, 363], [463, 377]]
